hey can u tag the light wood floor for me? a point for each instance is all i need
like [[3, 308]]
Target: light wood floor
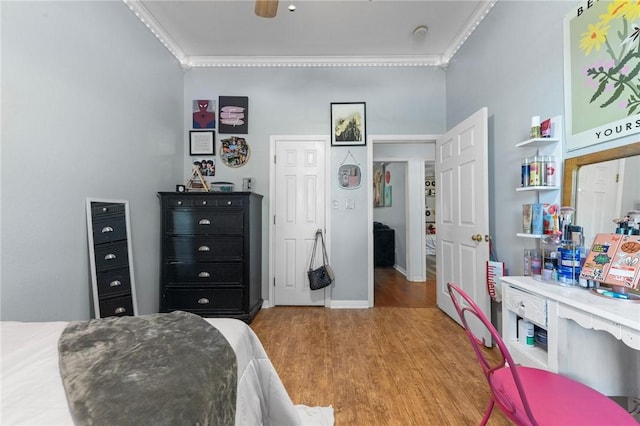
[[381, 366]]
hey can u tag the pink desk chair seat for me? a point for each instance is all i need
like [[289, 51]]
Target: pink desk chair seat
[[530, 396]]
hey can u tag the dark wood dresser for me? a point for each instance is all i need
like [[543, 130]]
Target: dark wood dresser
[[211, 255]]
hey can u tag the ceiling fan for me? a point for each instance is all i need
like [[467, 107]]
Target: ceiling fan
[[266, 8]]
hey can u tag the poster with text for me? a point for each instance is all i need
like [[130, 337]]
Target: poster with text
[[601, 65]]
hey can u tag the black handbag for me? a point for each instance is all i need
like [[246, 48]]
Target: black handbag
[[323, 275]]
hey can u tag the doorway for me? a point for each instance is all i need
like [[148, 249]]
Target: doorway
[[410, 152]]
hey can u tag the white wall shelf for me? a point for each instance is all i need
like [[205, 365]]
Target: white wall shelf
[[525, 235], [537, 188], [537, 142]]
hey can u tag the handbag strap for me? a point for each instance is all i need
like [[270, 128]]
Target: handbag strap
[[315, 246]]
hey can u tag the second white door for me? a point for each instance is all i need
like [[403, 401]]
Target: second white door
[[299, 210]]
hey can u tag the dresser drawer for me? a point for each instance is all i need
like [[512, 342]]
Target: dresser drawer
[[205, 221], [113, 282], [204, 249], [119, 306], [109, 228], [99, 209], [111, 255], [526, 305], [194, 299], [204, 273]]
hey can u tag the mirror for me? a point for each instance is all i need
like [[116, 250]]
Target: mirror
[[111, 260], [572, 166], [584, 177]]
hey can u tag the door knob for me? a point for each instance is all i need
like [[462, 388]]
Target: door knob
[[477, 237]]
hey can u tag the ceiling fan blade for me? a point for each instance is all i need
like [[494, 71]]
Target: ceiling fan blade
[[266, 8]]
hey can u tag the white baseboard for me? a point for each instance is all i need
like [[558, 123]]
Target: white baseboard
[[349, 304]]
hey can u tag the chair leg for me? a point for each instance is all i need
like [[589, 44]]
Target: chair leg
[[487, 413]]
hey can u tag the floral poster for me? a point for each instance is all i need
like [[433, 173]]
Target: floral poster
[[602, 61]]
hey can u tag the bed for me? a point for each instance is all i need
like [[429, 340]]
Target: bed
[[33, 392], [430, 244]]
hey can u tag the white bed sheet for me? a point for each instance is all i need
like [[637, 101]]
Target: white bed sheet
[[430, 244], [32, 393]]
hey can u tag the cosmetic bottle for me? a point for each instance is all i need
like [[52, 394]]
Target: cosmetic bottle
[[535, 127], [524, 181]]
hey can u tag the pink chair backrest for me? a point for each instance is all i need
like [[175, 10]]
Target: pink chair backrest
[[467, 308]]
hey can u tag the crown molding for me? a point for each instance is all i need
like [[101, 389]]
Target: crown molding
[[154, 26], [311, 61], [190, 62], [470, 26]]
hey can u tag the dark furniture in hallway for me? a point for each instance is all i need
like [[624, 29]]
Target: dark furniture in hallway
[[384, 245]]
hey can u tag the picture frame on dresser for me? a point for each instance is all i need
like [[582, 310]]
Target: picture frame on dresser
[[110, 258]]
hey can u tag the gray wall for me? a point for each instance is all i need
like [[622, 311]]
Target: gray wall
[[296, 101], [91, 106], [516, 70], [396, 215]]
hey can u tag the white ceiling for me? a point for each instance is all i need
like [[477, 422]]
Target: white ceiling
[[319, 32]]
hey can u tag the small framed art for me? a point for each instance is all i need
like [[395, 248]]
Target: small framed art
[[348, 124], [201, 142]]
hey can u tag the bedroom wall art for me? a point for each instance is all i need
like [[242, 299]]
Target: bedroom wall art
[[202, 142], [234, 151], [233, 115], [602, 95], [348, 123], [378, 184], [207, 166], [204, 114], [349, 173]]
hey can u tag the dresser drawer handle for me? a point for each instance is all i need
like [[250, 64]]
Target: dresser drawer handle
[[203, 301], [120, 310], [204, 274], [204, 248], [107, 229], [204, 222], [115, 283], [179, 203], [229, 203], [204, 203], [110, 256], [104, 209]]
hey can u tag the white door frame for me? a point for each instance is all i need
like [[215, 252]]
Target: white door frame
[[267, 303], [388, 139]]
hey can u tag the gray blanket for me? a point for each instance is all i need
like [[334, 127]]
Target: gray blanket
[[160, 369]]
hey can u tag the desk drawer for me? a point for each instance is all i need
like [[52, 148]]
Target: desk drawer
[[526, 305]]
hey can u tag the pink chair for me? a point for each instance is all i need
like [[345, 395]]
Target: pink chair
[[530, 396]]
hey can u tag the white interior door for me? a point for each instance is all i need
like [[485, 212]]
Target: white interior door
[[462, 203], [299, 200], [598, 186]]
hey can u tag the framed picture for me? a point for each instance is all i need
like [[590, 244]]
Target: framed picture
[[201, 142], [233, 115], [204, 114], [601, 73], [348, 124], [234, 151]]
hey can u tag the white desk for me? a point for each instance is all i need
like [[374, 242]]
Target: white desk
[[592, 339]]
